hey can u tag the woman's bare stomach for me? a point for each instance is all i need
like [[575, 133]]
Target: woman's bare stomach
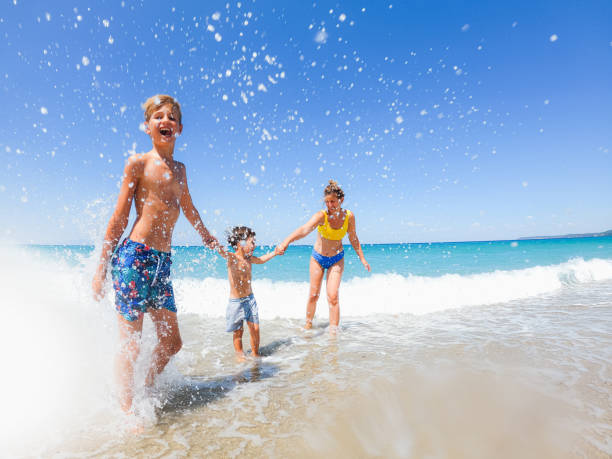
[[327, 247]]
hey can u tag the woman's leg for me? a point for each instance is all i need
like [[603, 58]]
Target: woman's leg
[[316, 278], [334, 276], [129, 348], [168, 341]]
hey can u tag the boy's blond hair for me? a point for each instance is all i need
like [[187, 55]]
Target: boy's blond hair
[[159, 100]]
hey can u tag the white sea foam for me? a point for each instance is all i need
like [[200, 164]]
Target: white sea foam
[[57, 352], [394, 293]]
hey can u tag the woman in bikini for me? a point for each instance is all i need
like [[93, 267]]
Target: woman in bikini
[[328, 253]]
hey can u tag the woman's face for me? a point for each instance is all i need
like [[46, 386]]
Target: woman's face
[[333, 203]]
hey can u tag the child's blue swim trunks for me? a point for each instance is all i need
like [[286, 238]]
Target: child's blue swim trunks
[[239, 309], [141, 278]]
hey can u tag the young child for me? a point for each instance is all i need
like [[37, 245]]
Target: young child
[[157, 185], [242, 305]]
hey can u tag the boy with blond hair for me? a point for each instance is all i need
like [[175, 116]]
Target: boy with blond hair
[[157, 184]]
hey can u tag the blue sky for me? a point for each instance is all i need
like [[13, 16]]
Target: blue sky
[[442, 120]]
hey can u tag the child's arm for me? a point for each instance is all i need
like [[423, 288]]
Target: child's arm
[[193, 216], [352, 234], [301, 232], [261, 260], [118, 222]]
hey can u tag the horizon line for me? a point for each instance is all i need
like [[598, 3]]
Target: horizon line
[[518, 239]]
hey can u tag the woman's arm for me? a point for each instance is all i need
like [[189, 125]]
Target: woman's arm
[[352, 235], [301, 232], [118, 221], [193, 216]]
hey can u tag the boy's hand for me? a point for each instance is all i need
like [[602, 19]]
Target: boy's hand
[[97, 286], [366, 265], [280, 249]]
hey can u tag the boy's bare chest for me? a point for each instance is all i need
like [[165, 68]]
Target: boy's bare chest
[[162, 180]]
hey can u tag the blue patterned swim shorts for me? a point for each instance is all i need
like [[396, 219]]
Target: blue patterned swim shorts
[[141, 278]]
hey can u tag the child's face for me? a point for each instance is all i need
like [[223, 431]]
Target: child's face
[[248, 246], [333, 203], [163, 125]]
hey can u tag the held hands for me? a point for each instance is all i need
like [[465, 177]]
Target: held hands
[[280, 249], [211, 242]]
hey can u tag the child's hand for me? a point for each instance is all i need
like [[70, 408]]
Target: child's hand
[[280, 249], [366, 265]]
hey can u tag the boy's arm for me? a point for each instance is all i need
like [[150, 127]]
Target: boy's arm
[[352, 235], [117, 222], [261, 260], [300, 232], [193, 216]]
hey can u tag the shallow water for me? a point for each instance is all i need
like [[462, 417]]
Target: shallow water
[[524, 377]]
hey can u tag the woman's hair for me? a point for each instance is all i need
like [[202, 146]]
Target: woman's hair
[[333, 188], [238, 234], [157, 101]]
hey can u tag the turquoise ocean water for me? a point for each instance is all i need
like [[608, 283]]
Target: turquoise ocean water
[[417, 259]]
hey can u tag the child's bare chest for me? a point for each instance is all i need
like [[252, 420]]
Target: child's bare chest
[[163, 181], [241, 268]]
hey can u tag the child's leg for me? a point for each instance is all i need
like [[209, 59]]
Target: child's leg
[[254, 332], [238, 343], [129, 348]]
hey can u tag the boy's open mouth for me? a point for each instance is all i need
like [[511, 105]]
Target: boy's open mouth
[[165, 131]]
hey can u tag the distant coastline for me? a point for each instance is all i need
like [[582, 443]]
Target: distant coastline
[[568, 236]]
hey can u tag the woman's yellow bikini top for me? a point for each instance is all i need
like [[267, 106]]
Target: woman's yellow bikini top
[[334, 234]]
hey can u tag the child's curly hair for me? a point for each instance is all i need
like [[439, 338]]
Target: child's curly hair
[[238, 234]]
